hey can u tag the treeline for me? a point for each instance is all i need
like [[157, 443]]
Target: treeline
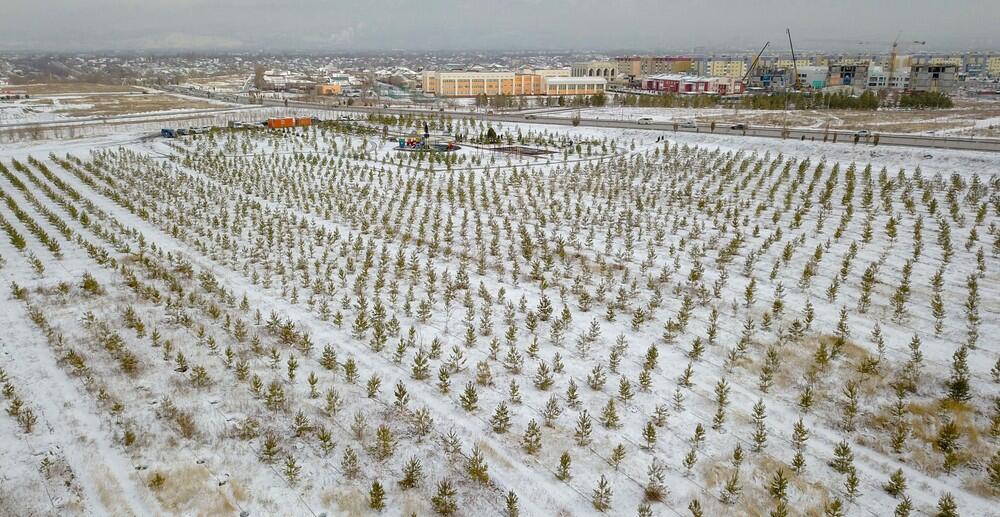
[[790, 100], [522, 102], [670, 101], [866, 101], [924, 100]]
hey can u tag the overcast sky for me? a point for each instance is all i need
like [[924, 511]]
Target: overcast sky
[[335, 26]]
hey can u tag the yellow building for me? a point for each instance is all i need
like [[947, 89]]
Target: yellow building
[[527, 82], [947, 60], [852, 61], [575, 85], [993, 66], [735, 68], [787, 63], [328, 89]]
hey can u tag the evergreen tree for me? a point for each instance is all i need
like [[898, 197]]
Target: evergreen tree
[[852, 485], [649, 434], [959, 388], [510, 502], [376, 497], [349, 463], [695, 508], [732, 489], [760, 430], [993, 471], [843, 457], [833, 508], [477, 467], [292, 469], [601, 498], [563, 471], [551, 411], [656, 485], [469, 397], [897, 483], [532, 439], [609, 415], [412, 474], [583, 429], [617, 455], [946, 506], [500, 421], [385, 443], [444, 499], [779, 486], [904, 508]]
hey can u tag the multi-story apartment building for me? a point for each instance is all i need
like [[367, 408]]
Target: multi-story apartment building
[[788, 64], [933, 78], [958, 61], [853, 75], [813, 77], [975, 64], [878, 78], [993, 66], [525, 82], [637, 67], [727, 67]]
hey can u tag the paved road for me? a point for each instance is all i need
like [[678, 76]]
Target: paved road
[[847, 137]]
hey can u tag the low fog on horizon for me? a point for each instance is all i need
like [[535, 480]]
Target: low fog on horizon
[[237, 25]]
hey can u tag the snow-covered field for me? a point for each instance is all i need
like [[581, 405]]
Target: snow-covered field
[[657, 114], [69, 107], [970, 119], [309, 323]]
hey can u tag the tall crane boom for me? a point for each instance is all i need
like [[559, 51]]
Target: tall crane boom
[[893, 52], [753, 64], [795, 64]]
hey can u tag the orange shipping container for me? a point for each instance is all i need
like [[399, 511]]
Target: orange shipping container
[[302, 122], [277, 123]]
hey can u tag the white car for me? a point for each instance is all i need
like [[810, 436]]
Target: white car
[[689, 124], [645, 121], [864, 133]]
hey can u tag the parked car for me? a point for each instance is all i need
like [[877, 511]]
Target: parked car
[[645, 121], [530, 117], [738, 127]]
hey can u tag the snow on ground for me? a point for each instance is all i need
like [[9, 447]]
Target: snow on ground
[[68, 107], [657, 114], [272, 322]]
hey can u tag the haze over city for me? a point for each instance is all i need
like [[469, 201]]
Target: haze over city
[[653, 25]]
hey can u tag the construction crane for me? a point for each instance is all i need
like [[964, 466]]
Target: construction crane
[[892, 60], [795, 65], [754, 63]]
